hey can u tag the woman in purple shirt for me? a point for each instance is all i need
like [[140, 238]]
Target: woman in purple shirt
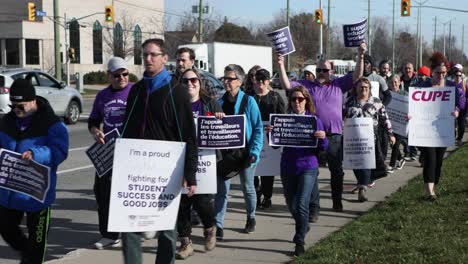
[[299, 168]]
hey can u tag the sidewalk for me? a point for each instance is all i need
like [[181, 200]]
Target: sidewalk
[[271, 242]]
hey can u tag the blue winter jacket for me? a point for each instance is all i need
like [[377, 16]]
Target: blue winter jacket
[[47, 139], [254, 125]]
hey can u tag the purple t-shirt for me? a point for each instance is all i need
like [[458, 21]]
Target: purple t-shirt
[[109, 107], [328, 100], [197, 108]]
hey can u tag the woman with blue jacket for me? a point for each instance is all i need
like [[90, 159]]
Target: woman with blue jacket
[[230, 103], [299, 168]]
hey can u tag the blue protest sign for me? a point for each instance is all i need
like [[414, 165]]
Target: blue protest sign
[[102, 156], [30, 178], [225, 133], [282, 41], [293, 131], [354, 34]]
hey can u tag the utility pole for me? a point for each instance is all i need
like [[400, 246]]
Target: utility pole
[[417, 39], [450, 41], [58, 62], [328, 31], [435, 33], [463, 44], [287, 23], [67, 59], [420, 34], [393, 38], [369, 44], [200, 22], [321, 34]]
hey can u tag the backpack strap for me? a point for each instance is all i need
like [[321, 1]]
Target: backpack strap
[[243, 104]]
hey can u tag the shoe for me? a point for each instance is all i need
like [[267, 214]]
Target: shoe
[[313, 217], [299, 250], [107, 242], [250, 225], [400, 164], [458, 142], [210, 238], [149, 235], [430, 197], [370, 185], [338, 206], [390, 169], [219, 233], [362, 195], [266, 203], [354, 190], [186, 249], [413, 158]]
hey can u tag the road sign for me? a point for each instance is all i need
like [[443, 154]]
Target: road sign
[[40, 13]]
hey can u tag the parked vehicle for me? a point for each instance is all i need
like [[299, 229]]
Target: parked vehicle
[[66, 101], [275, 79], [214, 56]]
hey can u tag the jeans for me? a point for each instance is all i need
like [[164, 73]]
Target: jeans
[[131, 246], [202, 204], [335, 165], [248, 188], [363, 177], [298, 190]]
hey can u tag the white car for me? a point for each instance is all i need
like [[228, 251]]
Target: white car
[[66, 101]]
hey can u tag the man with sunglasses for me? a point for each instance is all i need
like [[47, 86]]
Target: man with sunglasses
[[109, 112], [33, 130], [328, 98]]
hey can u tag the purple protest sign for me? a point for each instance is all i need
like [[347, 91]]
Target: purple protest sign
[[282, 41], [102, 156], [354, 34], [225, 133], [293, 131], [30, 178]]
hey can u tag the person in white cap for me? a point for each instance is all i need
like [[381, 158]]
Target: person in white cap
[[109, 112], [308, 73]]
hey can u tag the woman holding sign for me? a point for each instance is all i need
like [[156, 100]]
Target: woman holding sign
[[202, 105], [363, 104], [434, 156], [299, 168], [269, 102]]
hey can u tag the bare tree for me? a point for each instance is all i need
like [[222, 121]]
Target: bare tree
[[119, 40]]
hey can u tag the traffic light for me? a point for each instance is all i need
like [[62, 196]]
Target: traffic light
[[31, 11], [405, 7], [71, 54], [319, 16], [109, 14]]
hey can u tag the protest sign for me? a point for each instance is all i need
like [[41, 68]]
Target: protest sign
[[397, 111], [293, 131], [225, 133], [431, 123], [146, 185], [282, 41], [206, 172], [354, 34], [27, 177], [102, 156], [375, 88], [358, 144], [270, 159]]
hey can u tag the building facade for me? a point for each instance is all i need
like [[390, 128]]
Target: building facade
[[83, 30]]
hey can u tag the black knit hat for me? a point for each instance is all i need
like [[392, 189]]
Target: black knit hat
[[262, 74], [22, 91], [368, 58]]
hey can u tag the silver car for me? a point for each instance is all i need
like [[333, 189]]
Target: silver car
[[66, 101]]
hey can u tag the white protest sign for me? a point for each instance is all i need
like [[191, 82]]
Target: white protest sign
[[358, 144], [270, 158], [146, 185], [431, 123], [375, 88], [397, 111], [206, 172]]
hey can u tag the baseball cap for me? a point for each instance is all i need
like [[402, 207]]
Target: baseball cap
[[424, 70], [458, 66], [115, 64], [262, 74]]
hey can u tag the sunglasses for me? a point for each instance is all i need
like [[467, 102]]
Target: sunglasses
[[19, 106], [193, 80], [118, 75], [458, 75], [260, 79], [322, 70], [228, 79], [300, 99]]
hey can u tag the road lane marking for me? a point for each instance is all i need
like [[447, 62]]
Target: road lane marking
[[75, 169], [75, 149]]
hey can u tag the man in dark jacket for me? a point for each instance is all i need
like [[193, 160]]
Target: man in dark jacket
[[159, 108], [33, 130]]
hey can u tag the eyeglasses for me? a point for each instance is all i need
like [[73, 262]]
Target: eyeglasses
[[228, 79], [300, 99], [153, 55], [458, 75], [439, 73], [318, 70], [19, 106], [118, 75], [260, 79], [193, 80]]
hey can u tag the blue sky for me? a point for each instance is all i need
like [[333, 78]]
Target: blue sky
[[245, 12]]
